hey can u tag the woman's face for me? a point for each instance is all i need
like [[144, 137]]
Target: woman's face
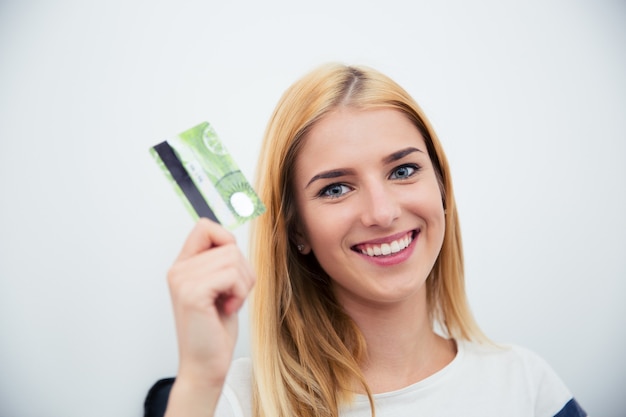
[[369, 204]]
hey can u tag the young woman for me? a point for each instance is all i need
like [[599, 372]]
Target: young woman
[[359, 306]]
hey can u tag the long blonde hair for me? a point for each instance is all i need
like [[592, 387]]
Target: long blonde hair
[[306, 349]]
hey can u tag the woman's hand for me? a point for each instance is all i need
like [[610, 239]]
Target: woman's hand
[[209, 282]]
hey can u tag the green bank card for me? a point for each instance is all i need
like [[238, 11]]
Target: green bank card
[[206, 177]]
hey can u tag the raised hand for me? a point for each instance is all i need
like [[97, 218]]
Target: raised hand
[[209, 282]]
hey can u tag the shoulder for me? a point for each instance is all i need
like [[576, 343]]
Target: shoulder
[[236, 398], [502, 355], [240, 372], [521, 370], [508, 359]]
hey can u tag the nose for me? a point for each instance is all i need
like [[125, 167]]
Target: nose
[[380, 207]]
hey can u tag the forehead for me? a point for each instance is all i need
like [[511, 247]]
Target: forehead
[[349, 135]]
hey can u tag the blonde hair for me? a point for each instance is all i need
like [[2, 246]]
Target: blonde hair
[[306, 349]]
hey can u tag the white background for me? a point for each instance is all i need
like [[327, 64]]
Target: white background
[[528, 97]]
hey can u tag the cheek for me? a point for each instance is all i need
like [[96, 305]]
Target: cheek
[[439, 217], [325, 227], [428, 205], [438, 220], [321, 226], [428, 201]]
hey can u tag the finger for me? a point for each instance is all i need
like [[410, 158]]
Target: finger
[[210, 263], [230, 301], [205, 235], [209, 266], [225, 292]]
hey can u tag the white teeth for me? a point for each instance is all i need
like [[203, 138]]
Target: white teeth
[[387, 248]]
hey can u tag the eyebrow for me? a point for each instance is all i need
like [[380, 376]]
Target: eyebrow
[[336, 173], [400, 154], [330, 174]]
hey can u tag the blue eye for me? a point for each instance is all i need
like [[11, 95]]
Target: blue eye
[[403, 172], [334, 190]]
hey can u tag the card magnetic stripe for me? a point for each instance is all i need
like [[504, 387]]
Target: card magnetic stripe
[[184, 181]]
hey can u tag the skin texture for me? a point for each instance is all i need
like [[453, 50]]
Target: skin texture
[[375, 199], [364, 178]]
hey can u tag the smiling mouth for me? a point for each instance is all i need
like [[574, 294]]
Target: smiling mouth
[[388, 248]]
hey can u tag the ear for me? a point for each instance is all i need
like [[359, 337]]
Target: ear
[[301, 242]]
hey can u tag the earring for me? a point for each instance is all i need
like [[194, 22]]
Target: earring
[[300, 247]]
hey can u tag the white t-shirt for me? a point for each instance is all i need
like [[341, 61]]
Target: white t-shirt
[[481, 381]]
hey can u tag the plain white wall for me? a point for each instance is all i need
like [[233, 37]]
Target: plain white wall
[[528, 97]]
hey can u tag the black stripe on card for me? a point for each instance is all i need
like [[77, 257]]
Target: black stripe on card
[[184, 181]]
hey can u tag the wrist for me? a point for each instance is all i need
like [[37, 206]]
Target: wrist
[[192, 396]]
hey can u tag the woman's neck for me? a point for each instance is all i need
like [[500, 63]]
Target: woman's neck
[[402, 347]]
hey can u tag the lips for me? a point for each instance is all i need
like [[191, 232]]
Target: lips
[[386, 248]]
